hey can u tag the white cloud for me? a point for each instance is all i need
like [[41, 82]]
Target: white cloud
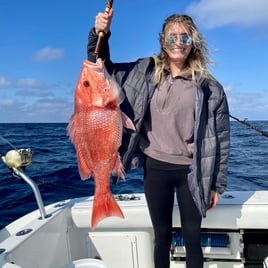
[[32, 100], [32, 83], [228, 88], [48, 54], [5, 103], [212, 13], [34, 93], [244, 104], [4, 82], [25, 83], [56, 109], [11, 110]]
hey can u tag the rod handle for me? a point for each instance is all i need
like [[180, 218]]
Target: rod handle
[[101, 34]]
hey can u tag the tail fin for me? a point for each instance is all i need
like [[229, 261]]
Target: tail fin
[[104, 206]]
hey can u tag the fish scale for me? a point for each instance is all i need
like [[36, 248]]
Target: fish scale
[[95, 129]]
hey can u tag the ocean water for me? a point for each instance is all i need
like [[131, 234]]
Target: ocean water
[[54, 166]]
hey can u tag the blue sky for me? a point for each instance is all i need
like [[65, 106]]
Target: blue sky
[[43, 45]]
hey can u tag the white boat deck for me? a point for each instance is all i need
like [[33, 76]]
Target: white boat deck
[[66, 235]]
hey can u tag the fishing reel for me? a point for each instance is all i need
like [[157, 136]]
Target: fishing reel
[[18, 158]]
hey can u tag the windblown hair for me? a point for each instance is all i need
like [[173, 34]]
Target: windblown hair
[[197, 60]]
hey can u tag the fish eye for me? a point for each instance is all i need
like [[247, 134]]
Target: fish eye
[[86, 83]]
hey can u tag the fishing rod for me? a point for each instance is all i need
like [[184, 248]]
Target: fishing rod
[[245, 122]]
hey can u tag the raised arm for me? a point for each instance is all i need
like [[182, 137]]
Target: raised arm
[[102, 24]]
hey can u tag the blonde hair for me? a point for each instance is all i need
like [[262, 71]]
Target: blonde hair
[[198, 58]]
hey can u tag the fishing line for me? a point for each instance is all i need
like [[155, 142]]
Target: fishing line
[[9, 143], [55, 185]]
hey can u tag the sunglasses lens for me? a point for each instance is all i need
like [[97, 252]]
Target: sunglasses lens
[[184, 38], [171, 39]]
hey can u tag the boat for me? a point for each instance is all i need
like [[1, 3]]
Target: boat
[[234, 234]]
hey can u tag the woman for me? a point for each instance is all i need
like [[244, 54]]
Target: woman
[[181, 115]]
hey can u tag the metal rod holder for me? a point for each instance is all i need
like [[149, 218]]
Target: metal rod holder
[[37, 194], [17, 171]]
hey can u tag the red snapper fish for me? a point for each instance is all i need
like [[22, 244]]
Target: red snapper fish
[[95, 129]]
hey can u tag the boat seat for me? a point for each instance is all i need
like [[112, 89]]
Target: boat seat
[[86, 263]]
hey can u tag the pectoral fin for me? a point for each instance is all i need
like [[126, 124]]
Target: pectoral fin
[[127, 123]]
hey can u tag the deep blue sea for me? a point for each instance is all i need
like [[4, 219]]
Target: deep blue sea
[[54, 166]]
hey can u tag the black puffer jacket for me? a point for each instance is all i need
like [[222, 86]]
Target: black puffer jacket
[[211, 133]]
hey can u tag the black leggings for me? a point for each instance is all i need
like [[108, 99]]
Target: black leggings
[[160, 180]]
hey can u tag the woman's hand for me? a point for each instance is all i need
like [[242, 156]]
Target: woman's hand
[[103, 21], [214, 198]]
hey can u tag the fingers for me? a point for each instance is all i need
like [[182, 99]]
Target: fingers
[[214, 198], [103, 21]]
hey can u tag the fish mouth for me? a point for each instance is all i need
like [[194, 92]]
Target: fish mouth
[[100, 62], [97, 66]]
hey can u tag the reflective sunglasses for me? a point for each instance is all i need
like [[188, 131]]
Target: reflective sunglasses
[[185, 39]]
